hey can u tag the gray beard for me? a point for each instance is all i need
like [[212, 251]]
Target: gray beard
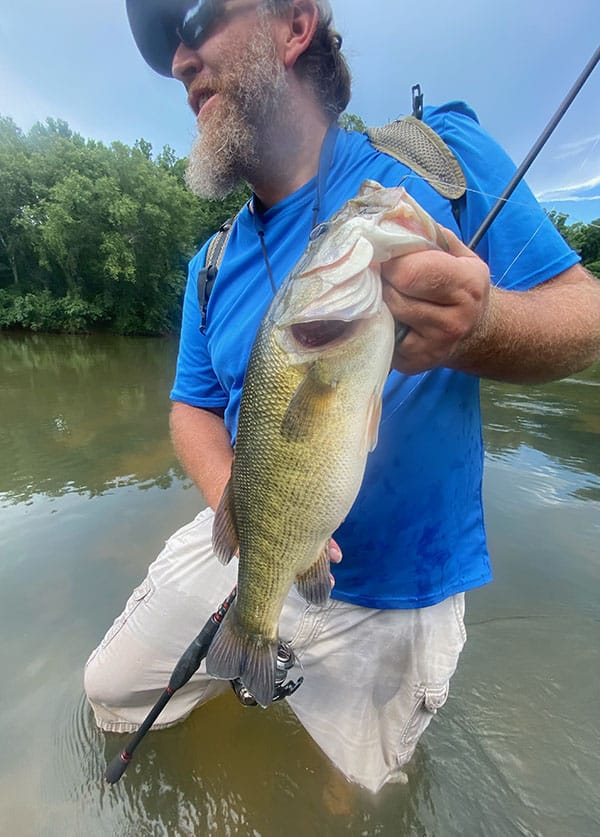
[[248, 119]]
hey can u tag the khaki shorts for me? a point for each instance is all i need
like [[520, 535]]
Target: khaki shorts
[[373, 679]]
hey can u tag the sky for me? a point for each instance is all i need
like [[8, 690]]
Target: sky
[[513, 61]]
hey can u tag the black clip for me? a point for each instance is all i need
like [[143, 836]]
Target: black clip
[[417, 101], [208, 274], [206, 280]]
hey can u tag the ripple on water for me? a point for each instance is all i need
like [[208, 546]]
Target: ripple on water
[[523, 740]]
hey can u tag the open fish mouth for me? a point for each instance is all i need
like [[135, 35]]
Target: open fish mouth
[[317, 334]]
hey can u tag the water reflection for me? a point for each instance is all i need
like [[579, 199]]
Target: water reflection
[[84, 414], [560, 420], [263, 777], [84, 428], [97, 411]]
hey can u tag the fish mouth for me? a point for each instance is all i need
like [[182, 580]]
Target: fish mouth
[[316, 334]]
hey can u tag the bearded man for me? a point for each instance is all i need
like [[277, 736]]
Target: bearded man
[[267, 81]]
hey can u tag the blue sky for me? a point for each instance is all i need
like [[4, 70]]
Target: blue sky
[[513, 61]]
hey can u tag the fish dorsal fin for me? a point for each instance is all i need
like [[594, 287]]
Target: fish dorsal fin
[[225, 538], [315, 584]]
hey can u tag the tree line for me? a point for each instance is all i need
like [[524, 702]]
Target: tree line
[[98, 237], [93, 236], [584, 238]]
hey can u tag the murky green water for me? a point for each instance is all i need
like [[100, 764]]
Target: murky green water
[[89, 489]]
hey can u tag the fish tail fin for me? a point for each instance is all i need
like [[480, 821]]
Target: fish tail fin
[[234, 653]]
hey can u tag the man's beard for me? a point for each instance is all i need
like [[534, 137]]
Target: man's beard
[[252, 104]]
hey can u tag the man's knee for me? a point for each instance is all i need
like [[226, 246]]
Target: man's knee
[[104, 685]]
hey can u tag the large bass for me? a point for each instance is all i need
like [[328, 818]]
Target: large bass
[[309, 416]]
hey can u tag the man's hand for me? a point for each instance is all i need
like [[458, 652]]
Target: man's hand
[[442, 297], [335, 556]]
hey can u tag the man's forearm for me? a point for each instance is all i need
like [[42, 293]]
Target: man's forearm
[[203, 446], [539, 335]]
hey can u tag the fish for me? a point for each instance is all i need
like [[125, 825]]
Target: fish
[[309, 416]]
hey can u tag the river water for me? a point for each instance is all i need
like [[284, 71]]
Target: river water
[[89, 490]]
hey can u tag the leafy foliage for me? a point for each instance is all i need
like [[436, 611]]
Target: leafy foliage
[[584, 238], [98, 237], [94, 236], [352, 122]]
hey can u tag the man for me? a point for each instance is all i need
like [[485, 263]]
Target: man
[[267, 80]]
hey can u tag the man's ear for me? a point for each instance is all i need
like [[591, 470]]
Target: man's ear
[[301, 24]]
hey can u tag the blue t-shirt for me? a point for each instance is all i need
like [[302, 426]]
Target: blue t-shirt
[[415, 533]]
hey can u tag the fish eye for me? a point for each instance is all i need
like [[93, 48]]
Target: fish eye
[[318, 231]]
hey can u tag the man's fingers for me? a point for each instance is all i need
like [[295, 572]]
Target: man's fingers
[[335, 556]]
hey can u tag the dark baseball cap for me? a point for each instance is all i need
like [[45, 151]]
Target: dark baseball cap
[[159, 26], [156, 25]]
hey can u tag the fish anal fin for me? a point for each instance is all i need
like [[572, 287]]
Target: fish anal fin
[[235, 653], [225, 539], [314, 585]]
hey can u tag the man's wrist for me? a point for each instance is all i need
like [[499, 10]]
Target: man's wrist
[[475, 351]]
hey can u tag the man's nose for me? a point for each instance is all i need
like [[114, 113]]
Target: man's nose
[[186, 63]]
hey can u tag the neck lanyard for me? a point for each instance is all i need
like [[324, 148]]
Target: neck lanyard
[[325, 161]]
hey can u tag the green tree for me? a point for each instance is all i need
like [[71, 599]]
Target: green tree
[[584, 238], [93, 235], [15, 193], [352, 122]]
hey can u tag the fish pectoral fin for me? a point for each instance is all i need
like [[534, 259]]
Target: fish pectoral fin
[[373, 420], [235, 653], [225, 539], [315, 584], [307, 408]]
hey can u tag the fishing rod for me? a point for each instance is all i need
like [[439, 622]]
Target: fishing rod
[[402, 329], [535, 150], [188, 664]]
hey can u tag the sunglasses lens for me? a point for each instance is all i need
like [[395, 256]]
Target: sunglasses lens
[[197, 19]]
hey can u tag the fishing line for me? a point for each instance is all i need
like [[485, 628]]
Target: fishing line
[[537, 147], [469, 189], [473, 191], [590, 152], [507, 194], [421, 377], [545, 220]]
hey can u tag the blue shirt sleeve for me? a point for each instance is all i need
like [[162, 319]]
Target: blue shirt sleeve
[[522, 247], [195, 383]]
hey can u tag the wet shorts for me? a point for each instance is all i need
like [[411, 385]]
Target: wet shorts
[[373, 679]]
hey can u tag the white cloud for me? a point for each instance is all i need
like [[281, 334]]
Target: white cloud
[[569, 198], [580, 146], [570, 192]]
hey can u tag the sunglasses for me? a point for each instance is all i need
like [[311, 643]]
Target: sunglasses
[[201, 17]]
